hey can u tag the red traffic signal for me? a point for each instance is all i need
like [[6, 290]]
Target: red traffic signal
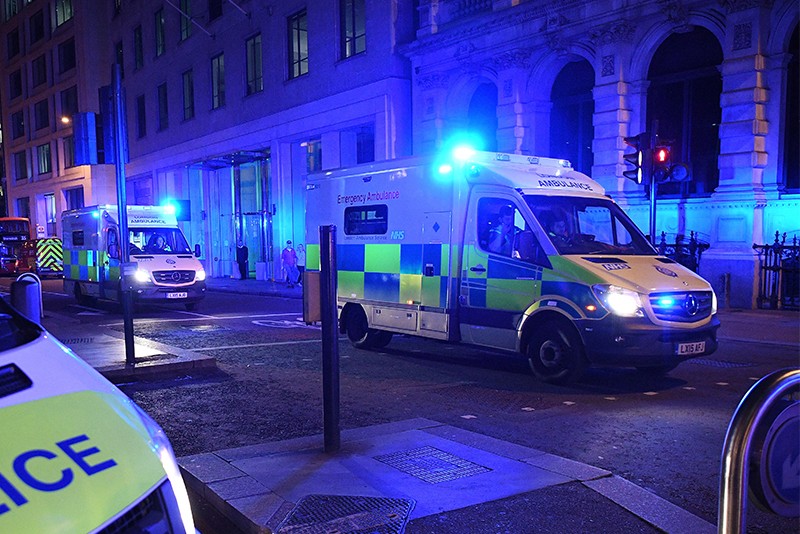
[[661, 155]]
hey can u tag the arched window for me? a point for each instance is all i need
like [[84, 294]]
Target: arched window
[[482, 118], [571, 128], [791, 128], [684, 97]]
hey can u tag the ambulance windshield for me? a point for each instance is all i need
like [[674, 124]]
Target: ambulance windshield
[[157, 241], [577, 225]]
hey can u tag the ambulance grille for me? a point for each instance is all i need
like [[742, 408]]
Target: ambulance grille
[[12, 380], [173, 277], [683, 306]]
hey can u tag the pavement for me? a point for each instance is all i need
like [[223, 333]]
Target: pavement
[[382, 476]]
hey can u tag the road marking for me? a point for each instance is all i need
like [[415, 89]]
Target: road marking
[[273, 344], [215, 317], [528, 409], [568, 403], [469, 417], [723, 384], [283, 324], [610, 398], [651, 393], [689, 388]]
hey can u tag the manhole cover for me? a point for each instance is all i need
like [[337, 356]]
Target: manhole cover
[[342, 514], [432, 465], [719, 363]]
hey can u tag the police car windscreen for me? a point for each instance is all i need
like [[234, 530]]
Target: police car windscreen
[[578, 225]]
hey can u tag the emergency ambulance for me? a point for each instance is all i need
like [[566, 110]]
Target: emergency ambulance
[[44, 256], [518, 253], [166, 269], [76, 454]]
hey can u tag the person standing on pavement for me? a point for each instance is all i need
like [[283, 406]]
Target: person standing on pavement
[[241, 259], [301, 262], [289, 260]]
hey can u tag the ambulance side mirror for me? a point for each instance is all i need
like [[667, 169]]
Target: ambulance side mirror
[[197, 250], [113, 251]]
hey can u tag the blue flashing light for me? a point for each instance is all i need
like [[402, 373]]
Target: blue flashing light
[[463, 153], [445, 168], [96, 214], [666, 302]]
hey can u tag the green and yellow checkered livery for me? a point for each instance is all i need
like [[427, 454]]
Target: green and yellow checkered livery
[[83, 265], [390, 273]]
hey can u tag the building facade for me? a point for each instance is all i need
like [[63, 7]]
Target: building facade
[[230, 104]]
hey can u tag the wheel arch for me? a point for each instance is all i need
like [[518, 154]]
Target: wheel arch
[[541, 316]]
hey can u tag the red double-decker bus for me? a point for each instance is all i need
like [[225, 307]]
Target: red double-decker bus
[[14, 231]]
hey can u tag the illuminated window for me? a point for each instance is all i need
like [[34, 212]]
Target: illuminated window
[[50, 213], [353, 27], [298, 44], [255, 77], [43, 157], [63, 11]]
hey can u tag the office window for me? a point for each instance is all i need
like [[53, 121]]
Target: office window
[[69, 152], [41, 115], [69, 101], [188, 95], [353, 27], [141, 118], [313, 155], [39, 70], [50, 213], [255, 77], [36, 26], [11, 8], [186, 22], [12, 43], [24, 207], [20, 165], [160, 37], [66, 56], [43, 156], [63, 11], [218, 81], [163, 113], [298, 44], [15, 84], [118, 59], [365, 144], [214, 9], [73, 198], [17, 124], [138, 48]]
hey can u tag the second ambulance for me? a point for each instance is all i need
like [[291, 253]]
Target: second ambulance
[[518, 253]]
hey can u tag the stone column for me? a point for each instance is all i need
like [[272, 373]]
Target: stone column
[[512, 67], [430, 112]]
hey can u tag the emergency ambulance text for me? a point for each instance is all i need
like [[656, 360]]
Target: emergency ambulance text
[[20, 467], [565, 184], [371, 196]]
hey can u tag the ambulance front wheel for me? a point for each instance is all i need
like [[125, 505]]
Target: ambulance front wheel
[[555, 353], [361, 335]]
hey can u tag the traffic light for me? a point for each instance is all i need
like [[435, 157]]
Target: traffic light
[[662, 163], [637, 159]]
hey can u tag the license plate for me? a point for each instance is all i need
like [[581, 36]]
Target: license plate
[[179, 295], [691, 348]]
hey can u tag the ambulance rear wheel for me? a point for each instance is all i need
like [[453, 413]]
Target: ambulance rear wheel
[[555, 353], [80, 297], [361, 335]]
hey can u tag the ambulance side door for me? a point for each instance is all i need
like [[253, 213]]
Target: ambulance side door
[[110, 255], [501, 271]]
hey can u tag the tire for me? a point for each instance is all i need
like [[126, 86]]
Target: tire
[[361, 335], [555, 353], [81, 298]]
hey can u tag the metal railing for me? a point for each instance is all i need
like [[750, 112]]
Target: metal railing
[[779, 274], [687, 253], [735, 462]]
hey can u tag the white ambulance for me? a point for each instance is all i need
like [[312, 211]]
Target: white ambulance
[[518, 253], [76, 454], [167, 270]]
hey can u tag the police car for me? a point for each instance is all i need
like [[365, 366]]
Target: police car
[[77, 455]]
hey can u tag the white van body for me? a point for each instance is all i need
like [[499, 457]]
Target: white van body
[[415, 256], [77, 455], [92, 257]]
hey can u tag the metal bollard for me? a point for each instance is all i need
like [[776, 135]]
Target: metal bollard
[[26, 297]]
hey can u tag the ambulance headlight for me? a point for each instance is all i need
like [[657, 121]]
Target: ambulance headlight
[[200, 275], [713, 302], [142, 275], [619, 301]]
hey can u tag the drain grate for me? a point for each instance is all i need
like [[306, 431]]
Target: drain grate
[[432, 465], [77, 340], [342, 514], [719, 363]]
